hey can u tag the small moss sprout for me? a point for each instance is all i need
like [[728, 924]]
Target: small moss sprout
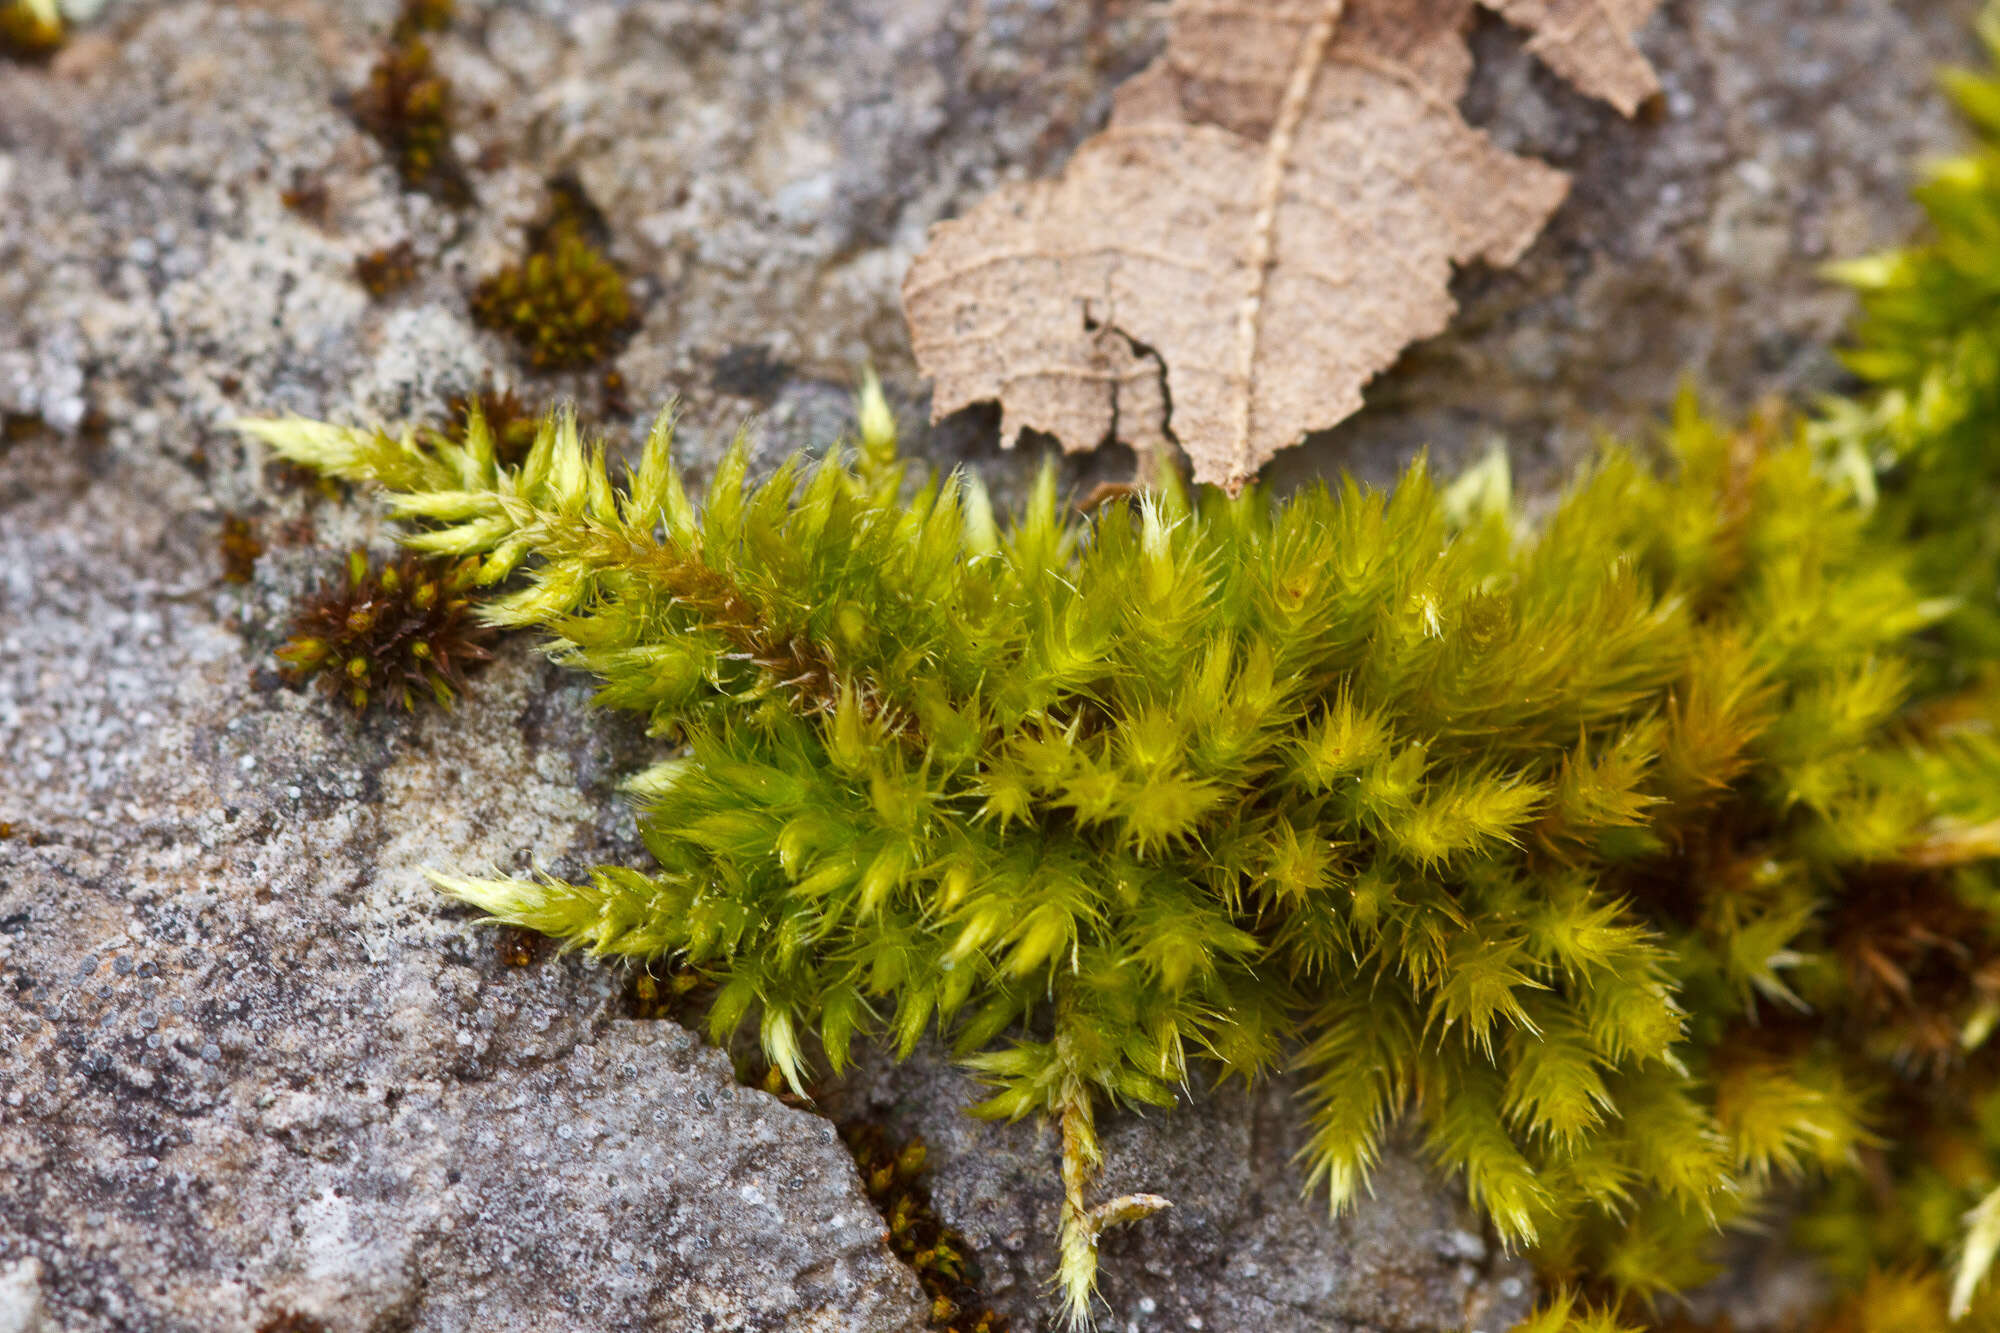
[[240, 547], [893, 1176], [564, 304], [384, 272], [392, 632], [407, 105]]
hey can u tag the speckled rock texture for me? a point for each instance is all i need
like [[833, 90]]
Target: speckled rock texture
[[251, 1068], [248, 1068], [1242, 1247]]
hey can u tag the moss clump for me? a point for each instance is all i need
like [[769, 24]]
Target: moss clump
[[307, 196], [394, 632], [291, 1321], [510, 421], [407, 105], [240, 547], [565, 305], [30, 30], [892, 1174], [17, 427], [1512, 829], [1641, 858], [387, 271], [422, 16]]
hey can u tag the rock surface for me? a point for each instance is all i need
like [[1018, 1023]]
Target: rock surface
[[249, 1065], [1242, 1247], [252, 1070]]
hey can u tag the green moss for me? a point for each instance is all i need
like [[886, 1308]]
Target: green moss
[[1512, 828], [565, 305], [1641, 857]]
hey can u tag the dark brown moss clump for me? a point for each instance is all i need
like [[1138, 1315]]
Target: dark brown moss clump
[[510, 421], [291, 1321], [389, 633], [565, 304], [670, 996], [421, 16], [240, 547], [387, 271], [307, 196], [893, 1177], [520, 948], [16, 427], [406, 104]]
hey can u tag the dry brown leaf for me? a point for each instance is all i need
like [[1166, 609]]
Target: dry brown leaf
[[1271, 216]]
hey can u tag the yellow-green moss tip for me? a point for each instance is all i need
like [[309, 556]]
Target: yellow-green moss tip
[[30, 29]]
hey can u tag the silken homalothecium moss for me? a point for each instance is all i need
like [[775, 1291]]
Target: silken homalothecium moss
[[1640, 857]]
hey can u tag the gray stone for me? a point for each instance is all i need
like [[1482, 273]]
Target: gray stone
[[254, 1067], [250, 1065], [21, 1308], [1243, 1247]]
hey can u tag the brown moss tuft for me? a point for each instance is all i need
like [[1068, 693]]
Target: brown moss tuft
[[1918, 962], [16, 427], [421, 16], [389, 633], [670, 996], [407, 105], [520, 948], [291, 1321], [893, 1176], [512, 423], [564, 304], [307, 196], [387, 271], [240, 547]]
